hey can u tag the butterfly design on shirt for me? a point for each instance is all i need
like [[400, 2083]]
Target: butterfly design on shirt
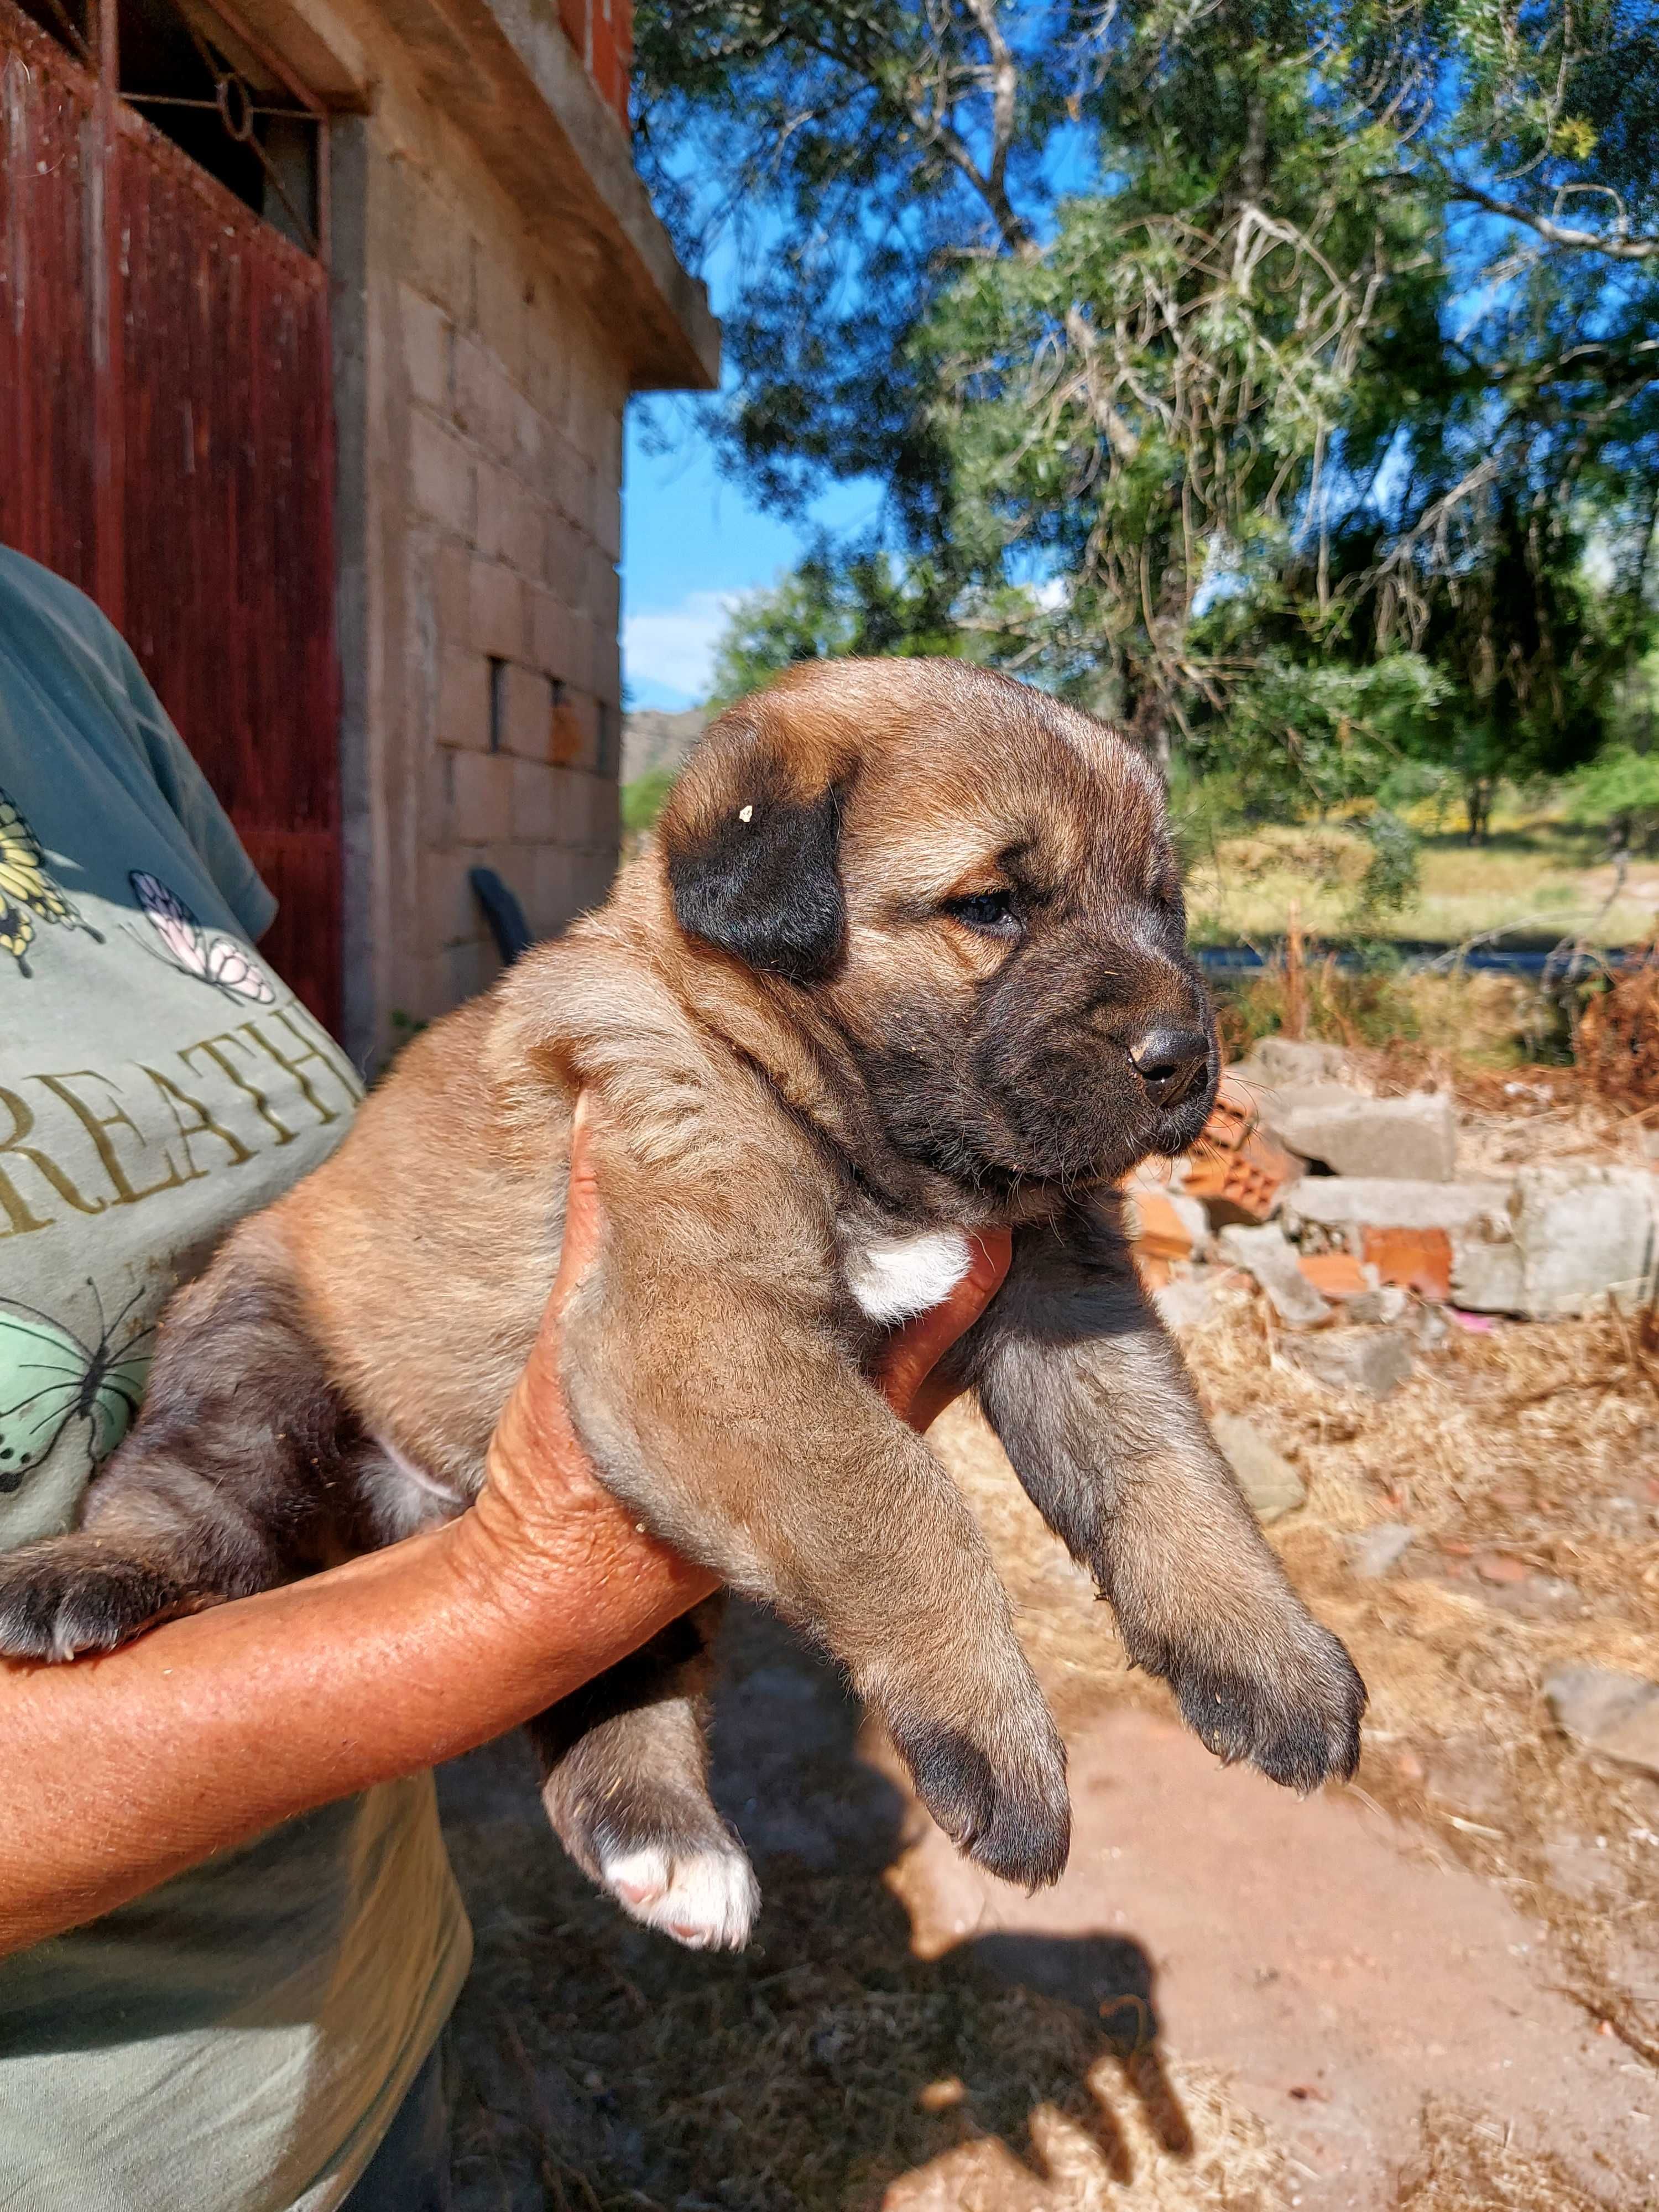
[[208, 955], [27, 893], [49, 1377]]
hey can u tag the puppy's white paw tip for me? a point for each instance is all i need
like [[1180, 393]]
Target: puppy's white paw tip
[[705, 1900]]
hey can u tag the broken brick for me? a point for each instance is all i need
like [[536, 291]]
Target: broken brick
[[1334, 1274], [1418, 1259]]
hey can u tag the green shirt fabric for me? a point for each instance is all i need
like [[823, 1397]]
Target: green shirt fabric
[[238, 2040]]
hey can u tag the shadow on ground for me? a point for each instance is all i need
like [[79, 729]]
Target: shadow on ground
[[601, 2067]]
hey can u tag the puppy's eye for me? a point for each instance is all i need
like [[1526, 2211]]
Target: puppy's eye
[[995, 914]]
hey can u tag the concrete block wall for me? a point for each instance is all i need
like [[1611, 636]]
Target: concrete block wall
[[513, 688]]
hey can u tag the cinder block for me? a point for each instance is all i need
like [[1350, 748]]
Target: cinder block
[[557, 883], [485, 401], [437, 816], [529, 441], [534, 807], [575, 728], [427, 334], [581, 654], [496, 622], [546, 382], [464, 710], [587, 810], [441, 475], [500, 313], [567, 561], [604, 815], [602, 597], [484, 798], [606, 524], [449, 913], [593, 875], [467, 969], [451, 588], [523, 713], [549, 632], [607, 664], [438, 248], [512, 522]]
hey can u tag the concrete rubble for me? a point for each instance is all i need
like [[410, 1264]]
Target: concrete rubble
[[1341, 1205], [1268, 1255], [1267, 1478], [1374, 1362], [1613, 1714], [1354, 1136]]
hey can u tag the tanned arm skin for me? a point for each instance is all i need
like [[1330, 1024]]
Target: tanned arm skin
[[123, 1769]]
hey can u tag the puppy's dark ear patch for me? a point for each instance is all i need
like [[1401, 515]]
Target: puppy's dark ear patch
[[762, 881]]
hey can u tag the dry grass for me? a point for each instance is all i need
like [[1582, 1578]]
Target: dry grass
[[1536, 873], [1468, 2165]]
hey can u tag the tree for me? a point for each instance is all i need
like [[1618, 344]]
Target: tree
[[1277, 377]]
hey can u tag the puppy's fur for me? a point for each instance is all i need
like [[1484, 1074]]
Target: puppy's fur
[[908, 959]]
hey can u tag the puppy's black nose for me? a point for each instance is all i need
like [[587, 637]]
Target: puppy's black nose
[[1170, 1062]]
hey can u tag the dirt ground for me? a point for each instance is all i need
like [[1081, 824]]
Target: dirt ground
[[1436, 1989]]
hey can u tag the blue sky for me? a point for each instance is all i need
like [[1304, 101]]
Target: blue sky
[[692, 543]]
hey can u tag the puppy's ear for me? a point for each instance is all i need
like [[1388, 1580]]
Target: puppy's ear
[[753, 853]]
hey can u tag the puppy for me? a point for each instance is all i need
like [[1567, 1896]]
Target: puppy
[[908, 959]]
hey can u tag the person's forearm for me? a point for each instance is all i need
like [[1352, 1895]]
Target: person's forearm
[[123, 1771]]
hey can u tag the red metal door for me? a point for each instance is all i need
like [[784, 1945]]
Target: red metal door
[[167, 443]]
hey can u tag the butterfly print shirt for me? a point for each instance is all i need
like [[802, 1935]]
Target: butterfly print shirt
[[238, 2039]]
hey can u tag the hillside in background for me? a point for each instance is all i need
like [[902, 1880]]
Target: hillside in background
[[655, 739]]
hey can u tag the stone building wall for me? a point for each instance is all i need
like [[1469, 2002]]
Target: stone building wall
[[500, 286], [514, 430]]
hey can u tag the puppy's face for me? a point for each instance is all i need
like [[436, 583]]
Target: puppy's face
[[975, 886]]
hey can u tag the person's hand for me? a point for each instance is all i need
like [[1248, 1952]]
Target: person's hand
[[542, 1500]]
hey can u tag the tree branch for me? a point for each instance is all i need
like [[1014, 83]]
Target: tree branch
[[1558, 234]]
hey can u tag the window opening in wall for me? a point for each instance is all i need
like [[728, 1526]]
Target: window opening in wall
[[497, 704], [210, 87]]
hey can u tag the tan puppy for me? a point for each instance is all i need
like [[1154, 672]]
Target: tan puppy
[[908, 958]]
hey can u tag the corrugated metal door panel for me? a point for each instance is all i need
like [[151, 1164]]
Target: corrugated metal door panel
[[222, 518], [47, 293]]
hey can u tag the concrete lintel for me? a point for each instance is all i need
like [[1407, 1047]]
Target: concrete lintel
[[567, 159], [504, 72]]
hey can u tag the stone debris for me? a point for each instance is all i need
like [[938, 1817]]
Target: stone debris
[[1353, 1203], [1380, 1549], [1186, 1300], [1354, 1136], [1577, 1234], [1373, 1361], [1558, 1240], [1265, 1253], [1267, 1478], [1614, 1715], [1279, 1060]]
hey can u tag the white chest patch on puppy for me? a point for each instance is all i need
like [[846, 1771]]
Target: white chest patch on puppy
[[894, 1277]]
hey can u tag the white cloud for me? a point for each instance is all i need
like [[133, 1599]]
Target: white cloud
[[673, 647]]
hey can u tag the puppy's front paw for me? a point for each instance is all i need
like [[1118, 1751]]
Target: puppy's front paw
[[1000, 1795], [1284, 1694], [71, 1594]]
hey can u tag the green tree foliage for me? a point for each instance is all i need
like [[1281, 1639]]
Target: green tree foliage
[[830, 606], [1277, 377]]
